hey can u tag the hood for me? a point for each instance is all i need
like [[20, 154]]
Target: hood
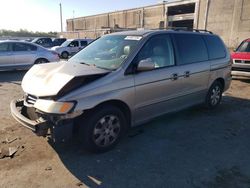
[[48, 79], [240, 55]]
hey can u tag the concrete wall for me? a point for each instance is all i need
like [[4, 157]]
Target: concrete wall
[[228, 18], [131, 18]]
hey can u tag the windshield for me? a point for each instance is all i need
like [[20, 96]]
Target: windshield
[[244, 47], [66, 43], [108, 52], [34, 40]]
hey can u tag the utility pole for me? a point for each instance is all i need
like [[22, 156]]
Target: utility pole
[[61, 17], [73, 23]]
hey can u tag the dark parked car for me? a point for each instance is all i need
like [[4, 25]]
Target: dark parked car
[[58, 41], [43, 41]]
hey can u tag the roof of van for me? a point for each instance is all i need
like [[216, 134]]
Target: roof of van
[[87, 39], [147, 32]]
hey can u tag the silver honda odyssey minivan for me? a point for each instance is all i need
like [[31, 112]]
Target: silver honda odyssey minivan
[[122, 80]]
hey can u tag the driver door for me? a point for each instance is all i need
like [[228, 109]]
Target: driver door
[[6, 54], [157, 91], [73, 47]]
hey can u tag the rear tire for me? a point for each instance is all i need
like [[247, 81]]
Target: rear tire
[[102, 128], [41, 60], [214, 95], [65, 55]]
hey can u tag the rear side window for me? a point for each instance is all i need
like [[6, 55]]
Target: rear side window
[[191, 48], [215, 47], [20, 47], [84, 43]]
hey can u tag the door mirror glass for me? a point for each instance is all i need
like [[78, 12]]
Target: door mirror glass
[[146, 65]]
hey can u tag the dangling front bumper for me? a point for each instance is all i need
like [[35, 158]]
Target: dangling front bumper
[[61, 126], [18, 112]]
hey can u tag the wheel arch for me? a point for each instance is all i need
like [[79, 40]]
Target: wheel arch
[[40, 58], [119, 104], [221, 81]]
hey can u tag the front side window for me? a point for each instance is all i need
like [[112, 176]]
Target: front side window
[[74, 44], [4, 47], [107, 52], [244, 47], [159, 49], [40, 41]]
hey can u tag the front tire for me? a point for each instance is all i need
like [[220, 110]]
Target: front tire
[[214, 95], [41, 61], [65, 55], [102, 129]]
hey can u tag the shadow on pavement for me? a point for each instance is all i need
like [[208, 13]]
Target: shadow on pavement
[[192, 148], [242, 79], [12, 76]]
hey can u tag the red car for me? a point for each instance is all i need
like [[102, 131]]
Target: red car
[[241, 59]]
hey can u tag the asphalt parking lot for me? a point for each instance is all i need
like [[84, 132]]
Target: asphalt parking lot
[[194, 148]]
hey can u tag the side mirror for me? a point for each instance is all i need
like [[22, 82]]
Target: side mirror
[[146, 65]]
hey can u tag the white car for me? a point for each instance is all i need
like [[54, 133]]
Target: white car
[[71, 47], [22, 55]]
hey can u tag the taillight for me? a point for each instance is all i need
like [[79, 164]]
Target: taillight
[[54, 53]]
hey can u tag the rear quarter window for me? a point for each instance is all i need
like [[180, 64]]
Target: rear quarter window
[[215, 46], [84, 43], [191, 48]]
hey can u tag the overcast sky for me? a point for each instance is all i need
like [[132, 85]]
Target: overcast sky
[[44, 15]]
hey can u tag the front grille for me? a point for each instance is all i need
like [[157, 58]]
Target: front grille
[[30, 99], [240, 69], [242, 61]]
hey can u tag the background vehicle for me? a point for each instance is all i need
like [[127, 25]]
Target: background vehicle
[[43, 41], [241, 59], [21, 55], [71, 46], [58, 41], [123, 80]]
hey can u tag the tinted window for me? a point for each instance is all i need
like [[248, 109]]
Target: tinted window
[[24, 47], [159, 49], [4, 47], [40, 41], [58, 42], [191, 48], [84, 43], [215, 47], [31, 47], [74, 44]]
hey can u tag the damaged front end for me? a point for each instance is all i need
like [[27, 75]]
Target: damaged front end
[[58, 126], [42, 109]]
